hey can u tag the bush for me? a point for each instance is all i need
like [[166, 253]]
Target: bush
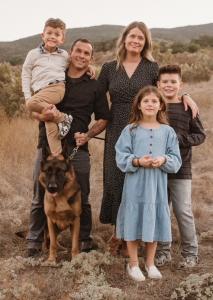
[[196, 72], [178, 47], [11, 97], [204, 41], [192, 47]]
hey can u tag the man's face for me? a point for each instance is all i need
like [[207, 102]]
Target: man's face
[[169, 85], [81, 55]]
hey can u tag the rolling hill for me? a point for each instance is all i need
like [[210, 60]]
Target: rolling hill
[[15, 51]]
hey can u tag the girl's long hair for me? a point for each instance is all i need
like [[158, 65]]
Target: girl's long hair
[[147, 49], [136, 114]]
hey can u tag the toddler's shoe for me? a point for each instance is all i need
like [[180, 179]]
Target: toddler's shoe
[[135, 273], [64, 126], [153, 272]]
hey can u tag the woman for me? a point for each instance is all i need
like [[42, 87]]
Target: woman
[[122, 78], [133, 69]]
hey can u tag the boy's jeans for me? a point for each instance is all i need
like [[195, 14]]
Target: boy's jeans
[[180, 197]]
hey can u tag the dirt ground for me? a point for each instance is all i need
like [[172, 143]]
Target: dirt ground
[[98, 275]]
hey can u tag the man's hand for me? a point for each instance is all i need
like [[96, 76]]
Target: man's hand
[[48, 114], [81, 138]]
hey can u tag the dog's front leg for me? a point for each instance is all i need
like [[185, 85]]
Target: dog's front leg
[[75, 231], [53, 240]]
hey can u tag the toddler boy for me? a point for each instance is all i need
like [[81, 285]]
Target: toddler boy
[[43, 72]]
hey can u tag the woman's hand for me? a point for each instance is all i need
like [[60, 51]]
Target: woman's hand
[[189, 102]]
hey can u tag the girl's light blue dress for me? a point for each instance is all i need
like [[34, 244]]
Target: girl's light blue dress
[[144, 212]]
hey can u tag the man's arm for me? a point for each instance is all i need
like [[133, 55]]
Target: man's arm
[[98, 127]]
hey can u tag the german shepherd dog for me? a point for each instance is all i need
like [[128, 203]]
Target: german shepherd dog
[[62, 201]]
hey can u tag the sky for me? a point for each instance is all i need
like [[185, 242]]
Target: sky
[[23, 18]]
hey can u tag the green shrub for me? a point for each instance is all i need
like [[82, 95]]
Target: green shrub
[[193, 47], [178, 47]]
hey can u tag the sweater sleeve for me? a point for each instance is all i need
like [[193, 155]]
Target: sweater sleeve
[[27, 75], [124, 151], [195, 137], [172, 155]]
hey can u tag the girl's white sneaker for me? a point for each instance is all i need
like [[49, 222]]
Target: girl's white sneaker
[[135, 273], [153, 272]]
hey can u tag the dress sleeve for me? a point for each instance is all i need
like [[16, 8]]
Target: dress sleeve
[[173, 158], [103, 77], [124, 151]]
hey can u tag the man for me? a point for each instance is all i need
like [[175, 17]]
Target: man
[[83, 97]]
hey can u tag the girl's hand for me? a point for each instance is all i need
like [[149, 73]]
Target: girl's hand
[[91, 72], [158, 161], [145, 161], [190, 103]]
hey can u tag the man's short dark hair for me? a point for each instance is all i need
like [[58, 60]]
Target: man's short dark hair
[[82, 40], [169, 69]]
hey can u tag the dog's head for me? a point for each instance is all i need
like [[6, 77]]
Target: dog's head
[[54, 173]]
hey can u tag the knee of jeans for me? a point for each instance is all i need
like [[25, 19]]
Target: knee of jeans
[[183, 208]]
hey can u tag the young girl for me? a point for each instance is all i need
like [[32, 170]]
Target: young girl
[[146, 151]]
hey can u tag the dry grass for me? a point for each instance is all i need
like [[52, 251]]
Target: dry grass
[[23, 280]]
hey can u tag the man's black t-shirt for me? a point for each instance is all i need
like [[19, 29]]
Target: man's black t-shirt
[[83, 97]]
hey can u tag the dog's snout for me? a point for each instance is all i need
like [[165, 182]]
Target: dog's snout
[[52, 187]]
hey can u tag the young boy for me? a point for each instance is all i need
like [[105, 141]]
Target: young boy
[[190, 133], [44, 72]]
